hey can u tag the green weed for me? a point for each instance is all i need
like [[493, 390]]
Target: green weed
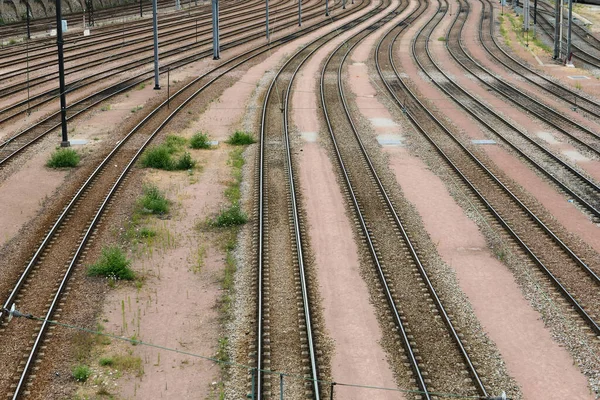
[[112, 264], [240, 138], [153, 201], [232, 216], [63, 158], [200, 141], [81, 373]]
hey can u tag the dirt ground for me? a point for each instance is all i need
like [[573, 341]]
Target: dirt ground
[[176, 304]]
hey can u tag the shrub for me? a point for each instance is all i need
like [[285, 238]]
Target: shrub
[[161, 157], [174, 143], [106, 361], [158, 157], [185, 162], [231, 216], [81, 373], [63, 158], [112, 264], [200, 141], [147, 233], [153, 201], [240, 138]]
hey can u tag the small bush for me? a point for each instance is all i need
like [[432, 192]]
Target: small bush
[[153, 201], [106, 361], [231, 216], [442, 39], [112, 264], [185, 162], [63, 158], [158, 157], [81, 373], [240, 138], [174, 142], [161, 157], [147, 233], [200, 141]]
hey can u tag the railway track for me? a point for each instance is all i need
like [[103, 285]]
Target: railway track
[[16, 144], [427, 340], [40, 25], [182, 32], [490, 43], [562, 262], [578, 52], [568, 179], [575, 132], [44, 282], [111, 65], [284, 342]]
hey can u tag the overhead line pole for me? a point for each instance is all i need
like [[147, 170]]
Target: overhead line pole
[[299, 12], [215, 21], [267, 18], [568, 55], [155, 29], [61, 76], [557, 21]]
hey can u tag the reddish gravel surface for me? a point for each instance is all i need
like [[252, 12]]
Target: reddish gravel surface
[[513, 322]]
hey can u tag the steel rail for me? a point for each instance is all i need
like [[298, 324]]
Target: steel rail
[[572, 254], [236, 61], [562, 92], [450, 43], [318, 44], [395, 83], [124, 53], [49, 95], [115, 30], [400, 225], [420, 380], [514, 94], [580, 54], [167, 37], [11, 29], [117, 89]]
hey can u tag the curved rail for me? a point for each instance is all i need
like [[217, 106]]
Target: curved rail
[[220, 71], [32, 134], [589, 198], [426, 123]]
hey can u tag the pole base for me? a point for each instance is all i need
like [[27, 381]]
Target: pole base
[[157, 87], [65, 143], [216, 58]]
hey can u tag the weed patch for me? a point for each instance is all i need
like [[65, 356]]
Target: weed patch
[[200, 141], [63, 158], [153, 201], [81, 373], [240, 138], [112, 264], [163, 156], [232, 216]]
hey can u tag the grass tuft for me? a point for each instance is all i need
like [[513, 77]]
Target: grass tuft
[[81, 373], [200, 141], [232, 216], [112, 264], [240, 138], [161, 157], [63, 158], [106, 361], [185, 162], [158, 157], [153, 201]]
